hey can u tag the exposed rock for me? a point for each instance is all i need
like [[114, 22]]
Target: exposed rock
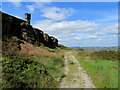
[[38, 35], [53, 42], [27, 33], [12, 26]]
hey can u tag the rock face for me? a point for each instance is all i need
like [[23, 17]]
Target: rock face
[[12, 26], [53, 42]]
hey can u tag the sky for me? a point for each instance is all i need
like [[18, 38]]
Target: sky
[[82, 24]]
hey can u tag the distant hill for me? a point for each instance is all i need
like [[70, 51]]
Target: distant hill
[[115, 48]]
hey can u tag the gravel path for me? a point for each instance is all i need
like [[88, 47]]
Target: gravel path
[[76, 77]]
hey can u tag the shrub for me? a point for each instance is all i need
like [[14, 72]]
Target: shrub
[[25, 73], [105, 55]]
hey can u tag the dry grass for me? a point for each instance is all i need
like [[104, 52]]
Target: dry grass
[[29, 49]]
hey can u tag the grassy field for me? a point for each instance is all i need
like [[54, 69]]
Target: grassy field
[[47, 71], [104, 73], [54, 65]]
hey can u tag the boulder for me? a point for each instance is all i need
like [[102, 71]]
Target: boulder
[[53, 42], [38, 35], [27, 33], [46, 39]]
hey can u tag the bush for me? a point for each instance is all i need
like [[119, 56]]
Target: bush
[[105, 55], [54, 66], [25, 73], [72, 63]]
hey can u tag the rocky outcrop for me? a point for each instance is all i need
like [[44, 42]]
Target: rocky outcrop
[[53, 42], [12, 26]]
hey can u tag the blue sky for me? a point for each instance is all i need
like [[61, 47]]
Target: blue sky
[[73, 23]]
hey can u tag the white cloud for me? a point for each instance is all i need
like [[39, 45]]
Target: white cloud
[[51, 12], [68, 32], [66, 28], [99, 39], [16, 4], [30, 8], [112, 29], [94, 36], [78, 38], [37, 5], [56, 13], [108, 18], [78, 32]]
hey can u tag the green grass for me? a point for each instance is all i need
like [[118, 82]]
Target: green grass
[[104, 73], [54, 65], [71, 62], [32, 72], [25, 73], [73, 68], [55, 50]]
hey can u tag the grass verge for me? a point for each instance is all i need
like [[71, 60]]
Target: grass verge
[[104, 73]]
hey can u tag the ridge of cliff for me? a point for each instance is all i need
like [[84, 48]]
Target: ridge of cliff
[[13, 26]]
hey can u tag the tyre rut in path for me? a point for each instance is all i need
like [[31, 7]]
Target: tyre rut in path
[[76, 77]]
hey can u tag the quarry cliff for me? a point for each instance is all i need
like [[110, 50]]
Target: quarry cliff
[[13, 26]]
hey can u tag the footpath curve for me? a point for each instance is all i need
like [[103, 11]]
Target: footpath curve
[[76, 77]]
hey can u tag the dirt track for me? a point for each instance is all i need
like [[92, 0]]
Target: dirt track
[[76, 77]]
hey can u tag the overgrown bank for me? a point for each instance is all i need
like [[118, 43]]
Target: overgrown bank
[[21, 72], [30, 71]]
